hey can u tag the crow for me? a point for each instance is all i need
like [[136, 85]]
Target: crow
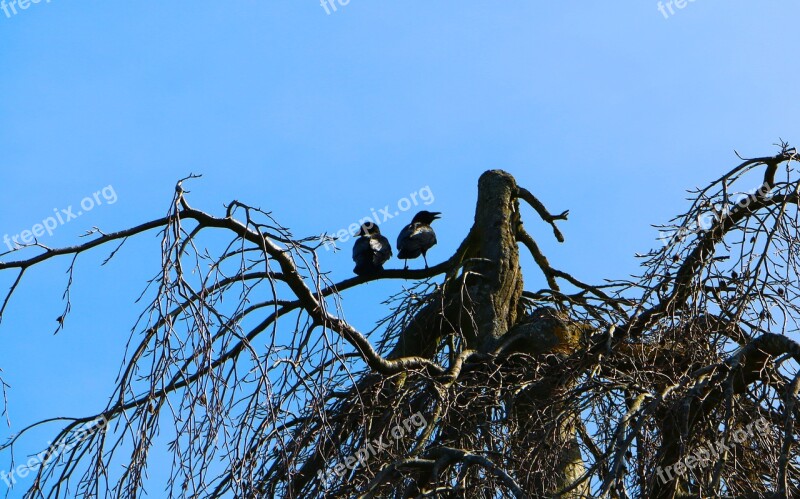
[[417, 237], [371, 250]]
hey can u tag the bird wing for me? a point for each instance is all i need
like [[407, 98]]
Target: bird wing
[[423, 237], [404, 235], [381, 248], [361, 248], [415, 239]]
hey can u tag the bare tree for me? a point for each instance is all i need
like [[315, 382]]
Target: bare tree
[[681, 382]]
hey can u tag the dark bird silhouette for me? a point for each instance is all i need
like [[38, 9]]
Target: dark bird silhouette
[[371, 250], [417, 237]]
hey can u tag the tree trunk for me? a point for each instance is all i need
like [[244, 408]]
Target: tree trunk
[[484, 303]]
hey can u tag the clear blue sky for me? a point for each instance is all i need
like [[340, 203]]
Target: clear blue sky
[[608, 109]]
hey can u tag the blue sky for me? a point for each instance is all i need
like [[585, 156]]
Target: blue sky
[[607, 109]]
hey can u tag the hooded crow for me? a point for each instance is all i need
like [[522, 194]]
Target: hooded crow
[[417, 237], [371, 250]]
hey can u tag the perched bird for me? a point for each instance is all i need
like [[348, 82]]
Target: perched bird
[[417, 237], [371, 250]]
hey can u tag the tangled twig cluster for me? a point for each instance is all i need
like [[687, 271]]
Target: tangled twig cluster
[[244, 362]]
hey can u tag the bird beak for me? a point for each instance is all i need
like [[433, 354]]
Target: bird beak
[[436, 215]]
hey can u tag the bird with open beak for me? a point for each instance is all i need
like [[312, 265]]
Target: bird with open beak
[[417, 237]]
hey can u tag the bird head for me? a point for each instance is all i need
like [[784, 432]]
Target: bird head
[[426, 217], [369, 229]]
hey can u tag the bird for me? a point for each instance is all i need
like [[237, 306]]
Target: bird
[[371, 250], [417, 237]]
